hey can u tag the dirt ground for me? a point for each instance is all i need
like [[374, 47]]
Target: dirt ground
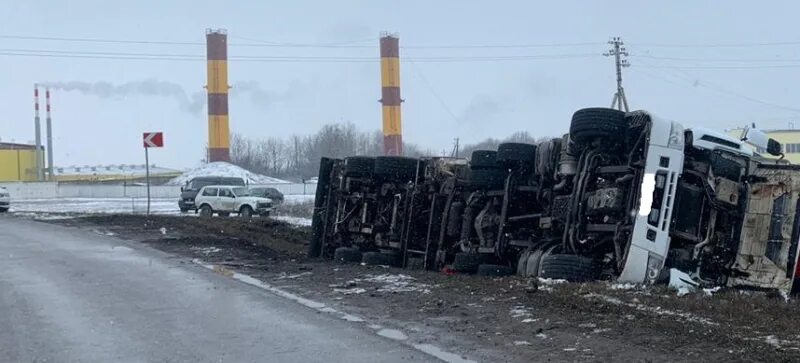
[[486, 319]]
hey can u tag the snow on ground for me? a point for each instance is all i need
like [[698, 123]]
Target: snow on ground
[[96, 205], [221, 168], [66, 207]]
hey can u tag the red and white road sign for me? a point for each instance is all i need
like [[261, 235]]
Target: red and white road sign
[[153, 139]]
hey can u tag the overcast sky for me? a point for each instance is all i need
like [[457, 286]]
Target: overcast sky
[[536, 63]]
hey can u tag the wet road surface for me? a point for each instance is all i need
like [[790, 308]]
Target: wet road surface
[[68, 295]]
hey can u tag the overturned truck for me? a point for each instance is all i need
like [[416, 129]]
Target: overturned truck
[[625, 196]]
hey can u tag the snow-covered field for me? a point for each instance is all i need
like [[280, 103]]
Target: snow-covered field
[[63, 207]]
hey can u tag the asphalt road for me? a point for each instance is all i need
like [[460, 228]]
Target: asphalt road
[[68, 295]]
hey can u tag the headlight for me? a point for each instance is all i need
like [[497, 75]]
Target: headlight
[[676, 136], [654, 265]]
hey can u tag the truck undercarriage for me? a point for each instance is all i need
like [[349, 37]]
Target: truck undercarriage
[[623, 196]]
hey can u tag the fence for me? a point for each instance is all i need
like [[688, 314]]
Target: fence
[[51, 190]]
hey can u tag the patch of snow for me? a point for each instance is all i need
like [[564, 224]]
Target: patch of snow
[[392, 334], [352, 318], [284, 275], [541, 336], [657, 310], [570, 349], [529, 320], [225, 169], [295, 221], [397, 283], [520, 311], [711, 291], [550, 282], [353, 291], [625, 286], [206, 250], [522, 342]]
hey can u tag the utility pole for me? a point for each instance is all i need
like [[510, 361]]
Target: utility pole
[[619, 52], [455, 147]]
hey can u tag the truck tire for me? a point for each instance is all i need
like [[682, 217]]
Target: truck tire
[[465, 262], [494, 270], [483, 159], [487, 178], [246, 212], [572, 268], [206, 211], [514, 153], [379, 259], [396, 168], [359, 166], [589, 124], [347, 254]]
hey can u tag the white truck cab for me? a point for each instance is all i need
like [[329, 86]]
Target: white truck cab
[[226, 199], [650, 239]]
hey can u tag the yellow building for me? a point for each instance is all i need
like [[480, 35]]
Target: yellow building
[[18, 162], [789, 139]]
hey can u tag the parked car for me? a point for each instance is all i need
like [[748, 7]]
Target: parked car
[[189, 191], [227, 199], [5, 200], [271, 193]]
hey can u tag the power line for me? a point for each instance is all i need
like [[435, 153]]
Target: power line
[[265, 43], [717, 45], [766, 66], [715, 87], [276, 58], [729, 60]]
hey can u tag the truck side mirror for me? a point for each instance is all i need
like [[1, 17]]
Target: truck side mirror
[[182, 190], [774, 147]]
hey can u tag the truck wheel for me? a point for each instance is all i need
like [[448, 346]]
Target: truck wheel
[[514, 153], [483, 159], [3, 210], [589, 124], [378, 258], [206, 211], [396, 168], [359, 166], [494, 270], [572, 268], [465, 262], [347, 254], [246, 212]]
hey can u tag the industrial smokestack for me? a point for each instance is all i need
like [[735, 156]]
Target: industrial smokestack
[[49, 136], [390, 95], [38, 136], [217, 87]]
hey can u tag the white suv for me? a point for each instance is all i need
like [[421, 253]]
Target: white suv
[[5, 200], [226, 199]]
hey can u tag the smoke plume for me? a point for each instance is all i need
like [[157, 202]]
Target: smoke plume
[[192, 103]]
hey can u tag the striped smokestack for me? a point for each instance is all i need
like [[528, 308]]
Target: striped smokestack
[[390, 95], [217, 87], [49, 123], [38, 137]]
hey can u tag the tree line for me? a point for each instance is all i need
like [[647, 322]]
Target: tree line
[[297, 156]]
